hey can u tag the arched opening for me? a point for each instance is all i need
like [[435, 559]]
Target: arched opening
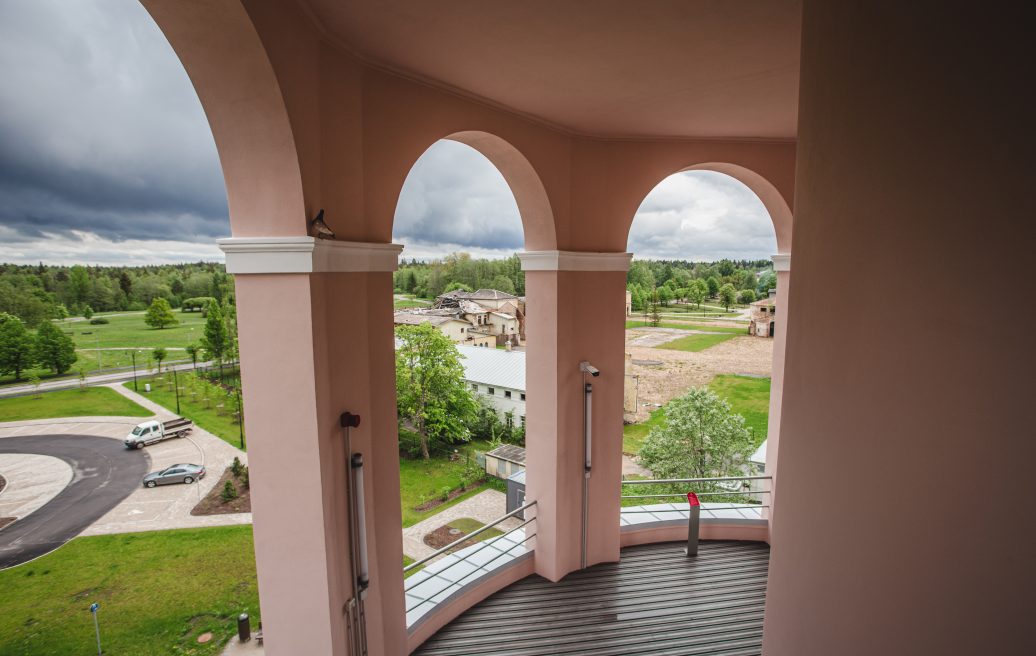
[[704, 297], [467, 206]]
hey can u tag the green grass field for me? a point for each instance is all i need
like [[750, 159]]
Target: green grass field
[[696, 342], [158, 591], [733, 330], [633, 435], [749, 397], [400, 304], [126, 332], [205, 413], [93, 401], [420, 481]]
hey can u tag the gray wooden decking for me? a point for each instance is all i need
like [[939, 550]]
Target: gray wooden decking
[[656, 601]]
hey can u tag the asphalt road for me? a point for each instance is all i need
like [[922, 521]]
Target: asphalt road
[[104, 473]]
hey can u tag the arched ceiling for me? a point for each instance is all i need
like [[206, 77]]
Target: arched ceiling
[[609, 68]]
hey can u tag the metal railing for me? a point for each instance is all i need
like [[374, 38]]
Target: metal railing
[[496, 541], [736, 497]]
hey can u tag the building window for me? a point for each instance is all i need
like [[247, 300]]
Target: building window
[[507, 394], [474, 387], [492, 391], [523, 396], [523, 421], [510, 420]]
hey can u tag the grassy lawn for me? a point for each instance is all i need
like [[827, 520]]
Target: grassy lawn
[[205, 413], [421, 481], [125, 331], [696, 342], [749, 397], [158, 592], [733, 330], [633, 435], [99, 401]]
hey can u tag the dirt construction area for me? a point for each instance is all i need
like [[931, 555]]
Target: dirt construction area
[[662, 374]]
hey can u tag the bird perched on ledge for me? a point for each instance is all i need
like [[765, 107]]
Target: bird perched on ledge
[[320, 229]]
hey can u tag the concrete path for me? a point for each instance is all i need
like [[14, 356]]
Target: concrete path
[[159, 508], [659, 336], [96, 379], [485, 507], [104, 474], [32, 481], [237, 648]]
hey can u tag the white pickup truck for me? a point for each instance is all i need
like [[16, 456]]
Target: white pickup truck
[[153, 431]]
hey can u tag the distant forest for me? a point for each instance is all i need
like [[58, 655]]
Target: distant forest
[[665, 280], [35, 293]]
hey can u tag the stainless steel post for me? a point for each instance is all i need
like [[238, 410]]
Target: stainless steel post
[[693, 523]]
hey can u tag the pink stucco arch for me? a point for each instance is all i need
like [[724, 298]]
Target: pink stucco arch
[[525, 184], [235, 81], [774, 202]]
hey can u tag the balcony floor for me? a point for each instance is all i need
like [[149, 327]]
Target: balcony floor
[[656, 601]]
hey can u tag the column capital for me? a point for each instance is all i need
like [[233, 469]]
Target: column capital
[[574, 261], [307, 255], [781, 261]]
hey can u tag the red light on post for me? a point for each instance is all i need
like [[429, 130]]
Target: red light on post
[[692, 499]]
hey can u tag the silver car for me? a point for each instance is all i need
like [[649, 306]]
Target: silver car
[[185, 473]]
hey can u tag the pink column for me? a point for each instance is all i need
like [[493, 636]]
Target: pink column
[[782, 267], [315, 323], [576, 312]]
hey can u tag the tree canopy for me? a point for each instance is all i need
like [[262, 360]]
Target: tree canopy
[[700, 437], [160, 314], [54, 349], [430, 392]]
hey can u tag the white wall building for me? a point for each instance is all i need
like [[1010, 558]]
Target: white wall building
[[498, 376]]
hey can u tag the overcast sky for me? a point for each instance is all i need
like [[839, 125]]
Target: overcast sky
[[106, 158]]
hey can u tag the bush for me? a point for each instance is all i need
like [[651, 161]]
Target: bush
[[244, 478], [97, 321], [229, 492], [236, 467]]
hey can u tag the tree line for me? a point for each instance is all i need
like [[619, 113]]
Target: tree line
[[459, 271], [36, 293], [661, 282]]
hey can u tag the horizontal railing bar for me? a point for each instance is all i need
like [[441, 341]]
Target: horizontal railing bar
[[648, 481], [684, 494], [468, 537], [703, 509], [481, 567], [481, 545]]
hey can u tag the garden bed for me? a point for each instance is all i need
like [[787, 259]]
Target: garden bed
[[213, 503], [456, 530]]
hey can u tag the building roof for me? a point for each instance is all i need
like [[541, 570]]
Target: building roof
[[759, 457], [518, 477], [503, 314], [510, 453], [491, 294], [765, 302], [414, 319], [493, 367]]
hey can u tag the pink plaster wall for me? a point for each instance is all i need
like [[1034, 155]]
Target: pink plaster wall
[[906, 442]]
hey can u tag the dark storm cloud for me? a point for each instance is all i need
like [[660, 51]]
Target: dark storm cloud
[[100, 129]]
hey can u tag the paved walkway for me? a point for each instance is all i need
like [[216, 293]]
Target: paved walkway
[[32, 481], [96, 379], [164, 507], [485, 507]]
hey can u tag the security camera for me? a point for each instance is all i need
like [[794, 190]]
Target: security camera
[[588, 368]]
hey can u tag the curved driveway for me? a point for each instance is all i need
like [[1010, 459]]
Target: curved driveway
[[104, 473]]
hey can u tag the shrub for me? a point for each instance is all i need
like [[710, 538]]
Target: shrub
[[236, 467], [97, 321], [229, 492], [444, 493], [244, 478]]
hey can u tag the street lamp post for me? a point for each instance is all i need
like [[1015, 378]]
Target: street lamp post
[[240, 420], [133, 355], [176, 385]]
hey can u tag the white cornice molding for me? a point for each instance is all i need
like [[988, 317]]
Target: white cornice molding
[[781, 262], [574, 261], [307, 255]]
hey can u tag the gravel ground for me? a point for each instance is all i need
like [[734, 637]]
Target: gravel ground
[[681, 370]]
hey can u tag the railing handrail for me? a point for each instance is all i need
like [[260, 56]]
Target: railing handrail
[[468, 537], [718, 479]]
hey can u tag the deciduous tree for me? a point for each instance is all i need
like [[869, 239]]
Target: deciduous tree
[[16, 346], [727, 295], [430, 391], [53, 348], [700, 437], [160, 314]]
